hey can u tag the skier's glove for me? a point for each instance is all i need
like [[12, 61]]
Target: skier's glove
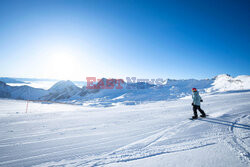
[[201, 100], [192, 104]]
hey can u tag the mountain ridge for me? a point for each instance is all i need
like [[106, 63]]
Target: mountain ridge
[[132, 93]]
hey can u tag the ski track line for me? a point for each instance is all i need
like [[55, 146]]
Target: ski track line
[[30, 136], [44, 155], [153, 133], [155, 154], [45, 141], [121, 137], [53, 139], [70, 149], [237, 144], [131, 155], [161, 133], [216, 137], [167, 130], [44, 133], [43, 126], [48, 155], [192, 145]]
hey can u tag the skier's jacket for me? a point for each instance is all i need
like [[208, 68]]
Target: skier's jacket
[[196, 98]]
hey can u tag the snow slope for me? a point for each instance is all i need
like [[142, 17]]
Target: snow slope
[[151, 134]]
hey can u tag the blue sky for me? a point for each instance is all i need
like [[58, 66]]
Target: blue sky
[[73, 39]]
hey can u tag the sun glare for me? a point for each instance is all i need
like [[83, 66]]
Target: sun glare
[[63, 64]]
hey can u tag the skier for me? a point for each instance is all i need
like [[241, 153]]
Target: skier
[[196, 104]]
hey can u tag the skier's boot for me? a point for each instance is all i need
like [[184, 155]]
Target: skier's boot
[[203, 116], [194, 117]]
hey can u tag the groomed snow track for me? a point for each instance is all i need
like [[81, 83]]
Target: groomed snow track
[[69, 135]]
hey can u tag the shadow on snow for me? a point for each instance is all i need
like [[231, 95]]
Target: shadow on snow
[[226, 123]]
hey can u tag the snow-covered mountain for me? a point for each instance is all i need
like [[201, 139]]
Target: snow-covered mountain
[[20, 92], [4, 90], [61, 90], [10, 80], [131, 93], [27, 92], [225, 82]]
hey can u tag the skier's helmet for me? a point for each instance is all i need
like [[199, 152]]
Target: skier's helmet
[[194, 89]]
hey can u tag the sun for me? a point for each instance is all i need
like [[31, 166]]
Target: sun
[[63, 64]]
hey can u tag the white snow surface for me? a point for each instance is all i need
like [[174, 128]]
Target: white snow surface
[[151, 134]]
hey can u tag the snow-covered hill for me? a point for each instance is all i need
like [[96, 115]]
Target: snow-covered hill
[[149, 134]]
